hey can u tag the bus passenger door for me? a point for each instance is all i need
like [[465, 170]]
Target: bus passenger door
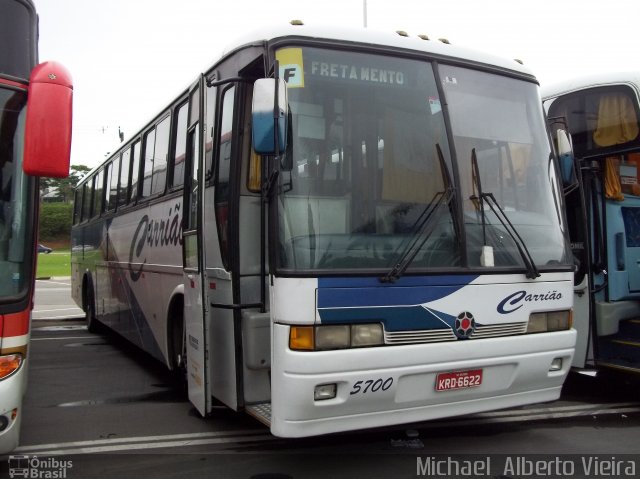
[[195, 296]]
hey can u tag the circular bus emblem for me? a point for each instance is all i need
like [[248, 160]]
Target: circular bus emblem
[[465, 325]]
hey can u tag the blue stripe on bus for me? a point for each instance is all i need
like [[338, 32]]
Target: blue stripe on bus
[[395, 318], [137, 329], [390, 296], [397, 305]]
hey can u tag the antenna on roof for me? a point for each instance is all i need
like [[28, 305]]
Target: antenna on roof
[[364, 12]]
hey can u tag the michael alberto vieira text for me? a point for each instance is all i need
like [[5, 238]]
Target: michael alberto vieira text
[[521, 466]]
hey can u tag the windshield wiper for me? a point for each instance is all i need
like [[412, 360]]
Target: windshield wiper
[[480, 199], [421, 230], [425, 224]]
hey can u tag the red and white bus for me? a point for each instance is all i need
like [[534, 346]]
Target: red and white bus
[[35, 140]]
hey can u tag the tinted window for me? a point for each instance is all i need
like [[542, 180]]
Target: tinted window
[[161, 153], [18, 39], [123, 198], [600, 118], [181, 146], [135, 170], [108, 169], [210, 118], [113, 184], [87, 189], [98, 194], [77, 206], [224, 169], [149, 145]]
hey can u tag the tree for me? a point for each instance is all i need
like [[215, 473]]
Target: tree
[[65, 186], [55, 221]]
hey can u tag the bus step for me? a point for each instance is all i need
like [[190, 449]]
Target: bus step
[[618, 365], [620, 350], [630, 328], [262, 412]]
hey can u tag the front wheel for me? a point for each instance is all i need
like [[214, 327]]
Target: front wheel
[[179, 345]]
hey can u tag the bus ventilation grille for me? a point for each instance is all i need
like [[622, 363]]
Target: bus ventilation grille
[[483, 331]]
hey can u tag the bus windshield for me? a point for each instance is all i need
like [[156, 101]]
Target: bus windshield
[[500, 120], [369, 154], [15, 228]]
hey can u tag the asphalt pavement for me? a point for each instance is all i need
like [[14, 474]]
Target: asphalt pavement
[[53, 300]]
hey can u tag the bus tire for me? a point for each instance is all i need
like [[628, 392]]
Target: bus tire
[[178, 341], [90, 312]]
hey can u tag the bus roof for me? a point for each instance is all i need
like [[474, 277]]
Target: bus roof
[[360, 36], [590, 81], [367, 36]]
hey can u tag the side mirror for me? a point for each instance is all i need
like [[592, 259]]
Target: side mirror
[[269, 103], [47, 146], [565, 157]]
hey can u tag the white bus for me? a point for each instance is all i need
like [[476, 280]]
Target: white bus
[[602, 184], [399, 253]]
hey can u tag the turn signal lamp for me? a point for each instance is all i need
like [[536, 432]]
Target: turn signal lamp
[[301, 338], [335, 336], [9, 364], [550, 321]]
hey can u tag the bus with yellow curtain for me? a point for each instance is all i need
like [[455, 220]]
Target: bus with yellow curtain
[[602, 196]]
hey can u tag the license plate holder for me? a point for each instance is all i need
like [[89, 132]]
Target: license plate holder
[[458, 380]]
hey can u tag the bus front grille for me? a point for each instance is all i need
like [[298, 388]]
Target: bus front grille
[[482, 331]]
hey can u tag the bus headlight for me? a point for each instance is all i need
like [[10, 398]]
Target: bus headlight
[[332, 337], [366, 335], [549, 321], [337, 336]]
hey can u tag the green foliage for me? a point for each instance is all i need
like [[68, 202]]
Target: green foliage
[[66, 185], [55, 221]]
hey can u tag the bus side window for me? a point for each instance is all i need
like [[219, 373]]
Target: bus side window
[[98, 192], [629, 171], [180, 147], [160, 155], [112, 184], [224, 171], [86, 201], [147, 167], [135, 171], [210, 109], [108, 169], [77, 206], [124, 192]]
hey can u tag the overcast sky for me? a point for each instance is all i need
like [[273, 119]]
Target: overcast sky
[[129, 58]]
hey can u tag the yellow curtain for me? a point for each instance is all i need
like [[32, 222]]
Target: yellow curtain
[[617, 121], [612, 187]]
